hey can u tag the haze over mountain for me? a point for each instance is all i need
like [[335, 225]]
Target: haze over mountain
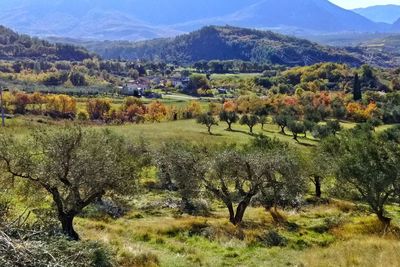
[[382, 13], [138, 19]]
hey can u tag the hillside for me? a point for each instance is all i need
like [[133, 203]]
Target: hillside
[[15, 46], [382, 13], [139, 20], [226, 43], [389, 44]]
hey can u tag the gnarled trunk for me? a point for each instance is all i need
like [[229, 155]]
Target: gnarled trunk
[[231, 213], [68, 225], [251, 129], [240, 212], [383, 219], [317, 182], [229, 126]]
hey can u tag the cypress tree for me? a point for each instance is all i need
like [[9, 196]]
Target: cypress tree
[[357, 94]]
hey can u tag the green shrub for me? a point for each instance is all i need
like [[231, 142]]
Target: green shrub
[[273, 239]]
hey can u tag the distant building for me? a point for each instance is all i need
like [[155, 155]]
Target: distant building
[[136, 88], [223, 91]]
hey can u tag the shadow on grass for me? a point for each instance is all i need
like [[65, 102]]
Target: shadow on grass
[[241, 131], [212, 134], [269, 131], [306, 144]]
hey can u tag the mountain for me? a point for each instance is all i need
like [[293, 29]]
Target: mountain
[[382, 13], [396, 26], [227, 43], [14, 46], [314, 15], [139, 19]]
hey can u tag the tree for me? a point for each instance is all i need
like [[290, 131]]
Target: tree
[[207, 120], [75, 166], [357, 94], [180, 170], [285, 183], [20, 101], [296, 128], [77, 79], [249, 120], [334, 126], [318, 169], [282, 120], [197, 81], [375, 122], [229, 117], [156, 111], [263, 120], [338, 108], [368, 164], [235, 176], [98, 108], [321, 131], [309, 126], [61, 106]]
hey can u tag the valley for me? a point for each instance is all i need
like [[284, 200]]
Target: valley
[[199, 133]]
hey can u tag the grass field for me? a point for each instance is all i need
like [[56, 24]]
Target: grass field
[[155, 233]]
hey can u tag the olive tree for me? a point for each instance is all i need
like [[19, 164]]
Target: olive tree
[[236, 176], [249, 120], [296, 128], [282, 120], [284, 184], [368, 164], [229, 117], [233, 177], [73, 165], [208, 120], [180, 170]]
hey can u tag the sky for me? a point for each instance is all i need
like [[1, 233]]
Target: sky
[[349, 4]]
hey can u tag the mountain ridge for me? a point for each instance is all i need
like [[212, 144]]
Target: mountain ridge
[[140, 20]]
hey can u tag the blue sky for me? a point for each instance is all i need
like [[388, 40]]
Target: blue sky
[[363, 3]]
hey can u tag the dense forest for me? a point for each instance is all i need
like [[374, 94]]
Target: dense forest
[[14, 46]]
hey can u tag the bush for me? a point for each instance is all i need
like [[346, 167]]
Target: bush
[[273, 239], [83, 116]]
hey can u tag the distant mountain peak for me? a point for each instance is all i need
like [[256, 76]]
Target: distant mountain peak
[[380, 13]]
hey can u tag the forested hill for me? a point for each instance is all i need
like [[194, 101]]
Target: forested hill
[[15, 46], [226, 43]]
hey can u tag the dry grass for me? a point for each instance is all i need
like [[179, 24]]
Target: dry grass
[[365, 252]]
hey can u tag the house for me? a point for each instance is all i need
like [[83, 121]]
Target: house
[[223, 91], [136, 88]]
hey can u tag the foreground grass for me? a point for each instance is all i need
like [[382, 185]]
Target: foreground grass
[[336, 234]]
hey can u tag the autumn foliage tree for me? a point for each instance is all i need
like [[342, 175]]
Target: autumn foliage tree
[[98, 108], [156, 111]]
